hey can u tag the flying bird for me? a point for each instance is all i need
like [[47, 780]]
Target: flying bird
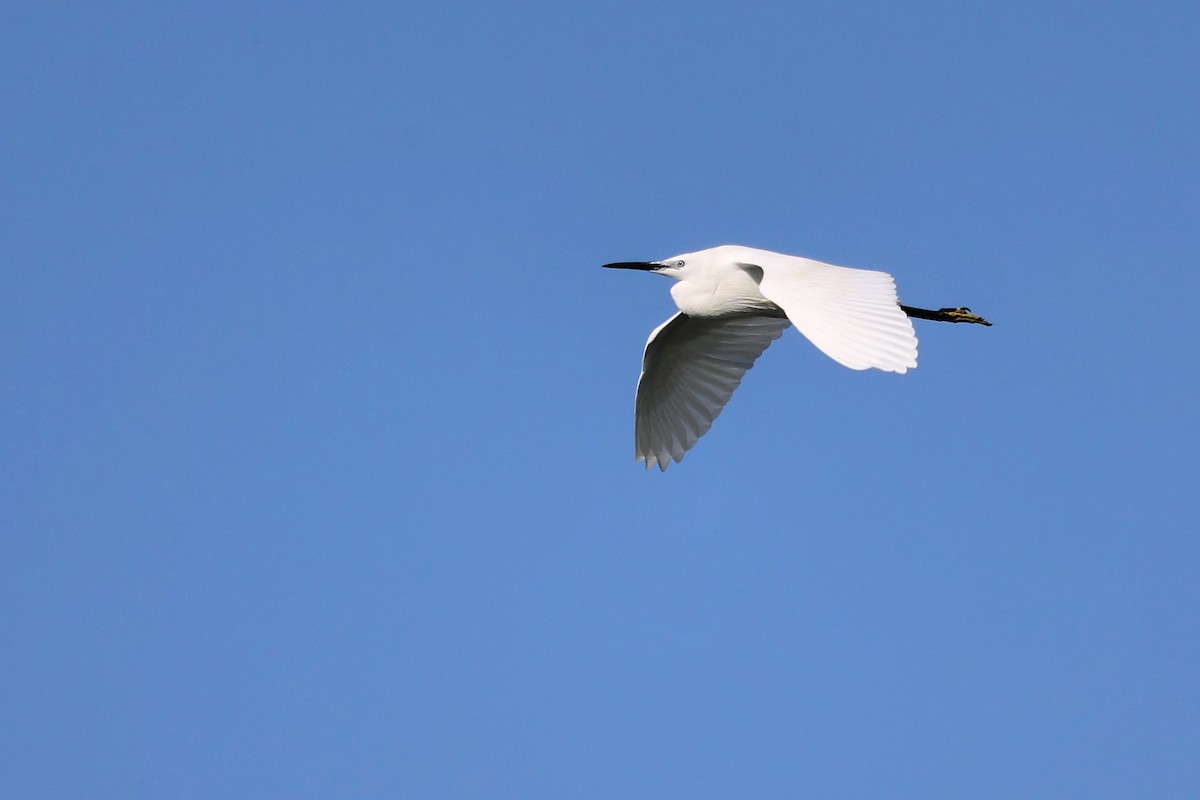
[[733, 302]]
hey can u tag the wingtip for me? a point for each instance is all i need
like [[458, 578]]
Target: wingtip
[[649, 460]]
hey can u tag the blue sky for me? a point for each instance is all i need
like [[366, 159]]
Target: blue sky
[[318, 436]]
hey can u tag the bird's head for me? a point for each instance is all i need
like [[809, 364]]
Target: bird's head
[[677, 267]]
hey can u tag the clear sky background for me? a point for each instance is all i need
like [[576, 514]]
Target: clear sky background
[[317, 406]]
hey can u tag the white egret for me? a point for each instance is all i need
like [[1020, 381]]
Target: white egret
[[733, 302]]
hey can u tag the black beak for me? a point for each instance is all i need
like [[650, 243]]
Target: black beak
[[646, 265]]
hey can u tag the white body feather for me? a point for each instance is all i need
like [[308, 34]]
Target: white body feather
[[733, 302]]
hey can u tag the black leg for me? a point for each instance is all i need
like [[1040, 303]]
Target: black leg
[[945, 315]]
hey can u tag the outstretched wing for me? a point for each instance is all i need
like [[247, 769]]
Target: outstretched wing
[[851, 315], [690, 368]]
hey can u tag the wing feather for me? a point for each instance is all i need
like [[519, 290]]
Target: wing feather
[[690, 367], [851, 315]]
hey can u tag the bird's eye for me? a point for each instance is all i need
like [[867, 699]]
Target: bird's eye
[[679, 263]]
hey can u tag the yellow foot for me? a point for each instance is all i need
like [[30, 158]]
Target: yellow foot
[[962, 315]]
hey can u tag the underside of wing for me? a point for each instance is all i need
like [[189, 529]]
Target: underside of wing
[[851, 315], [690, 368]]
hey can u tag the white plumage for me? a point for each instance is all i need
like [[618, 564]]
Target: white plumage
[[733, 302]]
